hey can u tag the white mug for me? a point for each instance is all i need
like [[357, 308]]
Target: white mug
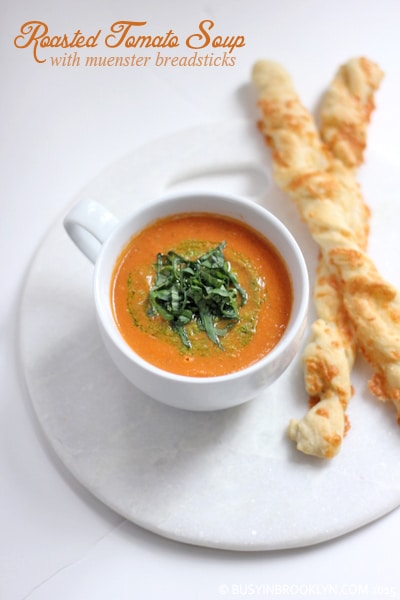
[[102, 237]]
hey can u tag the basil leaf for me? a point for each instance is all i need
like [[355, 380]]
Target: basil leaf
[[203, 290]]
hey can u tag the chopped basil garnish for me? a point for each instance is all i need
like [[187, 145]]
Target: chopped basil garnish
[[204, 290]]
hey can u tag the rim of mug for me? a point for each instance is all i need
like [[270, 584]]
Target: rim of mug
[[296, 321]]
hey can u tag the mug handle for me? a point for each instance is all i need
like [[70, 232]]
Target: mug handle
[[89, 224]]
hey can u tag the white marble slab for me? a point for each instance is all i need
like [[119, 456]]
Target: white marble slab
[[229, 479]]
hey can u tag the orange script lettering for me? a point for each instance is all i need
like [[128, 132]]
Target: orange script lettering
[[36, 34], [204, 39], [121, 34]]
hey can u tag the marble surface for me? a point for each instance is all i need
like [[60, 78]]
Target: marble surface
[[62, 127], [221, 479]]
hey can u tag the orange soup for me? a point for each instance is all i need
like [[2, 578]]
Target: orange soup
[[263, 295]]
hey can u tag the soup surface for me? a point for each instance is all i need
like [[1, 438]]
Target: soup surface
[[258, 267]]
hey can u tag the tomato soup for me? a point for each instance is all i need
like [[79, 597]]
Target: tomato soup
[[256, 265]]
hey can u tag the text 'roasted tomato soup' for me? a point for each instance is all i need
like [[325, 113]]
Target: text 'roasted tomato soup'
[[176, 328]]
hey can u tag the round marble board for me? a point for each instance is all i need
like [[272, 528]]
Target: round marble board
[[229, 479]]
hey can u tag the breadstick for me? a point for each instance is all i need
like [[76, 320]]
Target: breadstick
[[345, 114], [347, 108], [322, 191], [329, 355]]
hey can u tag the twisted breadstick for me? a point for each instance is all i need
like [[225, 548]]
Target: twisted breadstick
[[347, 108], [329, 355], [329, 200]]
